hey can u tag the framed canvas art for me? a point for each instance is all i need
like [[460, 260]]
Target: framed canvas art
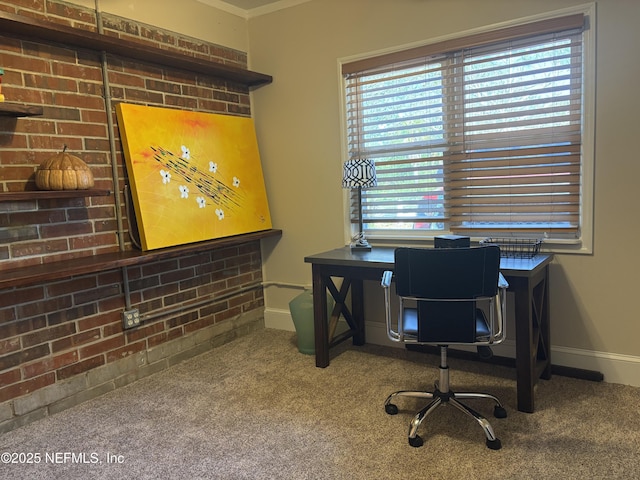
[[193, 176]]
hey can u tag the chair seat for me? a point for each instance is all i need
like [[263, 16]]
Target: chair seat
[[410, 324]]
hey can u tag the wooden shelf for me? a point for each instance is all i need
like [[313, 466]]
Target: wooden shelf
[[45, 194], [8, 109], [35, 274], [35, 29]]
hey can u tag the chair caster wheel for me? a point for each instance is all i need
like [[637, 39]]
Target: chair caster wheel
[[494, 444], [416, 441], [499, 412], [391, 409]]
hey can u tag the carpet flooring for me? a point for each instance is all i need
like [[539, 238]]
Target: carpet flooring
[[256, 408]]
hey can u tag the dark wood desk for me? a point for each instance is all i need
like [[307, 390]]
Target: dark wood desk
[[528, 280]]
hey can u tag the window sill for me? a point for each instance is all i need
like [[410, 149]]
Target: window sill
[[555, 246]]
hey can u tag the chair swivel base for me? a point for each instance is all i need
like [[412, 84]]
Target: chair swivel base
[[439, 398]]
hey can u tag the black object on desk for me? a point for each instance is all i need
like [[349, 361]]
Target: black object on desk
[[528, 280], [451, 241]]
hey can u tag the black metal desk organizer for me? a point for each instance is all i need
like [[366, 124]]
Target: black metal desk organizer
[[515, 247]]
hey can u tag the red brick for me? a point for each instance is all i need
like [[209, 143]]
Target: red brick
[[9, 139], [76, 340], [156, 340], [144, 331], [71, 286], [96, 144], [180, 298], [181, 101], [8, 345], [36, 217], [241, 299], [79, 101], [160, 86], [97, 293], [176, 275], [7, 315], [82, 129], [98, 320], [80, 367], [127, 350], [49, 334], [49, 365], [103, 346], [9, 377], [110, 304], [23, 388], [25, 310], [66, 229], [22, 326], [23, 295], [26, 355], [16, 173], [50, 83], [20, 62], [62, 113], [239, 280], [198, 324], [69, 314], [89, 241], [182, 319], [160, 291], [38, 248], [28, 95], [84, 72], [227, 314]]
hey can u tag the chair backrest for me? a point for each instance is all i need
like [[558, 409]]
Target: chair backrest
[[444, 274]]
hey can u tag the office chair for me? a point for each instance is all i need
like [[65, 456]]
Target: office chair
[[443, 293]]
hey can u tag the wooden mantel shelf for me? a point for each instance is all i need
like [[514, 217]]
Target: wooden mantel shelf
[[46, 194], [10, 109], [47, 272], [36, 29]]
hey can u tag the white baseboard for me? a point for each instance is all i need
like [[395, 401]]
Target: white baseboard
[[279, 319], [616, 368]]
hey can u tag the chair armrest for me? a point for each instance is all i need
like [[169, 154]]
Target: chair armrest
[[387, 276], [500, 305], [386, 279]]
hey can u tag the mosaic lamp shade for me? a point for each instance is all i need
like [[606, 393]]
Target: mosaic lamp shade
[[357, 174]]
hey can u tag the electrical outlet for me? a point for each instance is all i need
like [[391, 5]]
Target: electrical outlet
[[130, 318]]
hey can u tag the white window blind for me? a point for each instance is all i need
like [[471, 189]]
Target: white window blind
[[477, 134]]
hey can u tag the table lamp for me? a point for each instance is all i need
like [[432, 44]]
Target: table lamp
[[357, 174]]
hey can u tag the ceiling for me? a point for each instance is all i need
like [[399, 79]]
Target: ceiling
[[249, 4], [249, 8]]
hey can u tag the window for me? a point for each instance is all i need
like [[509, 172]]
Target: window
[[480, 135]]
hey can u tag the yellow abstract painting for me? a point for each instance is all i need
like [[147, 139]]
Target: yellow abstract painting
[[193, 176]]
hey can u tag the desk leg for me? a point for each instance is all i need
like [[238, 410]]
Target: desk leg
[[545, 324], [320, 327], [357, 310], [524, 344], [533, 358]]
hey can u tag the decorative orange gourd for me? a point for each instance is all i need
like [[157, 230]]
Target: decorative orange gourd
[[64, 171]]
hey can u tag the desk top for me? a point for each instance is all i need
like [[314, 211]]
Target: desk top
[[382, 258]]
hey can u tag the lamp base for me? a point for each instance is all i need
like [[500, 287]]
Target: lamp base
[[358, 242]]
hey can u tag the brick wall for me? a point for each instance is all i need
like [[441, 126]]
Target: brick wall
[[62, 342]]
